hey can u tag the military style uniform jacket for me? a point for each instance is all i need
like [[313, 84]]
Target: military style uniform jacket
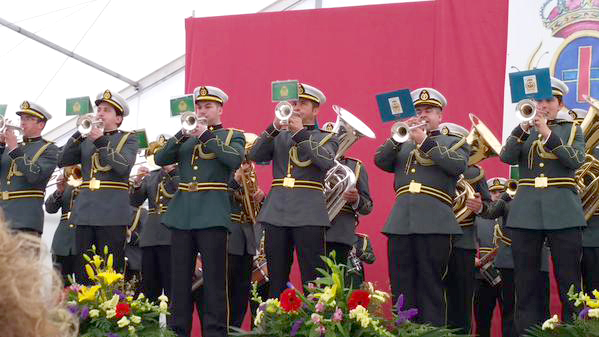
[[425, 183], [547, 198], [205, 166], [499, 211], [133, 252], [475, 176], [344, 224], [484, 236], [24, 174], [105, 165], [590, 235], [159, 187], [63, 243], [300, 163], [242, 239]]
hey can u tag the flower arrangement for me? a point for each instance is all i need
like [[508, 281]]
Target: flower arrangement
[[330, 309], [107, 309], [585, 324]]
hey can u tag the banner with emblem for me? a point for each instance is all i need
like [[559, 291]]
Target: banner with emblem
[[395, 105], [79, 106], [142, 138], [285, 91], [181, 105]]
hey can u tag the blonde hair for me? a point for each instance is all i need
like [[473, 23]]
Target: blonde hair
[[31, 293]]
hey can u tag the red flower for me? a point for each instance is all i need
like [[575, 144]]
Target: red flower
[[358, 297], [290, 301], [122, 309]]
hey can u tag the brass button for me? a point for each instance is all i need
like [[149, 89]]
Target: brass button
[[542, 175], [194, 178], [8, 183], [541, 165], [71, 225], [539, 136], [413, 170], [195, 167]]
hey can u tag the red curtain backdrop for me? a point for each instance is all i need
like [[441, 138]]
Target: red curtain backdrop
[[353, 54]]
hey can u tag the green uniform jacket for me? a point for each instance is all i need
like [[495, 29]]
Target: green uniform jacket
[[63, 243], [556, 206], [159, 187], [208, 161], [308, 154], [242, 239], [475, 176], [436, 164], [343, 226], [24, 174], [590, 235], [109, 160]]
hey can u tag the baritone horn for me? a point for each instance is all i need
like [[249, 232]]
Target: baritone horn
[[482, 141], [400, 131]]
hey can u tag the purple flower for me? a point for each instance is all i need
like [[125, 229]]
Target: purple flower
[[73, 309], [295, 327], [323, 330], [290, 285], [84, 313], [403, 316], [262, 306], [121, 295], [584, 313], [338, 315]]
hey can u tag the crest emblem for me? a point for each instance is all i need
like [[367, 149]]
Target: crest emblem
[[203, 91], [107, 94], [424, 95], [77, 107], [300, 89], [25, 105], [284, 92], [182, 106]]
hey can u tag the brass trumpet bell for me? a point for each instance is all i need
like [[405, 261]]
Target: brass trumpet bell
[[526, 110], [482, 141]]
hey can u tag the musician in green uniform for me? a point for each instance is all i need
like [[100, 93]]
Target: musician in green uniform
[[199, 215]]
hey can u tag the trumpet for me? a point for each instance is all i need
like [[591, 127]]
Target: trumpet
[[511, 186], [86, 123], [6, 124], [526, 111], [284, 111], [400, 131], [189, 122]]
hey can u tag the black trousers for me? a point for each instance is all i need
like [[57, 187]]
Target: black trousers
[[590, 269], [156, 271], [341, 251], [240, 275], [112, 236], [67, 265], [417, 267], [566, 252], [485, 298], [508, 302], [212, 244], [280, 243], [460, 288]]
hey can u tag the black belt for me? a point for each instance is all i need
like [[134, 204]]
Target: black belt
[[417, 188]]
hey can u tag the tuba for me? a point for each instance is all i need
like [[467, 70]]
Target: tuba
[[587, 176], [464, 192], [482, 141], [340, 178], [249, 182]]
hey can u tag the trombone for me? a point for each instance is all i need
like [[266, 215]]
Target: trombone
[[400, 131]]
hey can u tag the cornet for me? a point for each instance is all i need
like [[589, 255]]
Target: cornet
[[6, 124], [189, 122], [511, 186], [400, 131], [284, 111], [526, 111], [86, 123]]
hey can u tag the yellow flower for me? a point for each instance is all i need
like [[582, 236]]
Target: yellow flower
[[163, 298], [592, 303], [141, 296], [594, 313], [596, 294], [94, 313], [105, 249], [110, 313], [123, 322], [327, 294], [129, 298], [337, 280], [109, 277], [109, 263], [258, 318], [97, 261], [135, 319], [87, 294], [90, 272], [361, 315], [111, 303], [272, 305], [551, 323], [163, 306]]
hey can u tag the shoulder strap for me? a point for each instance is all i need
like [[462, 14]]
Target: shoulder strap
[[39, 152], [121, 143], [229, 137]]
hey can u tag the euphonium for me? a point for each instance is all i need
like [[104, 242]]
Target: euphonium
[[587, 176], [590, 125], [400, 131], [249, 182], [340, 178], [464, 191], [482, 141], [86, 123]]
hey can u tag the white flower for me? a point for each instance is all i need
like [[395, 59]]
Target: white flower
[[132, 330], [110, 313], [163, 306], [94, 313], [163, 298], [594, 313], [258, 318], [135, 319], [123, 322], [141, 296], [360, 314], [551, 323], [110, 304]]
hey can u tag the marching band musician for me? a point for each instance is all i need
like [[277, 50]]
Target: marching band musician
[[25, 170], [106, 155], [460, 278], [199, 213], [63, 242], [155, 238], [294, 213], [546, 205], [426, 169]]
